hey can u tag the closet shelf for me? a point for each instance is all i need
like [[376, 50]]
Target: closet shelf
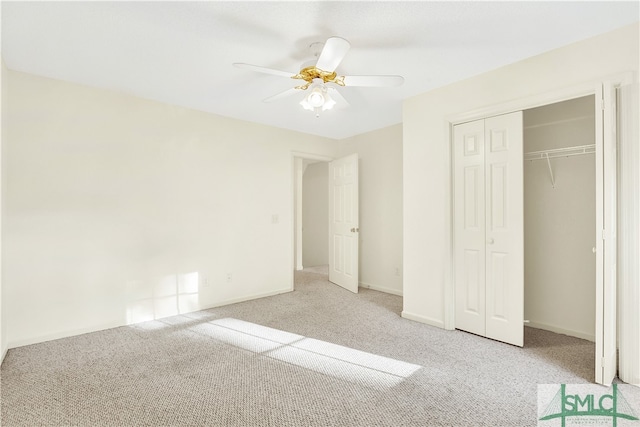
[[560, 152]]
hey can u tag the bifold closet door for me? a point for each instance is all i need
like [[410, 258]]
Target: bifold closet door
[[469, 227], [488, 228]]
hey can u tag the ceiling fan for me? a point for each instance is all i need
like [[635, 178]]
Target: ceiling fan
[[319, 77]]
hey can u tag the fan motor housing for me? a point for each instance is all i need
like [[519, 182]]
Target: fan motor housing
[[309, 73]]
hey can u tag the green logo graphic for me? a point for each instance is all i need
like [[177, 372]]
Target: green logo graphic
[[565, 405]]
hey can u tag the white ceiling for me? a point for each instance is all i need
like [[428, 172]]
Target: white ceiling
[[181, 52]]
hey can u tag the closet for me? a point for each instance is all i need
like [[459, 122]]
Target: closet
[[524, 222], [560, 217]]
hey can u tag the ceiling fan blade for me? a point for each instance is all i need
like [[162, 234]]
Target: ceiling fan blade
[[265, 70], [373, 81], [337, 96], [332, 54], [281, 95]]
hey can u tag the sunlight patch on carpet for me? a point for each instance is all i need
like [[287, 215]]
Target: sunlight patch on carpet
[[337, 361]]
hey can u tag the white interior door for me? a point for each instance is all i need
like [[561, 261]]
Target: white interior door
[[606, 242], [488, 228], [469, 225], [504, 228], [343, 222]]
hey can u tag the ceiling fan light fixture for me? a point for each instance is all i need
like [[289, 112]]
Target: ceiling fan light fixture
[[318, 98], [328, 102]]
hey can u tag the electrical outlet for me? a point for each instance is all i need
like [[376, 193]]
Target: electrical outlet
[[229, 277]]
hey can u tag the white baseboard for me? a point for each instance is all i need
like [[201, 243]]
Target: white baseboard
[[71, 333], [557, 330], [423, 319], [380, 288], [244, 298], [63, 334], [3, 353]]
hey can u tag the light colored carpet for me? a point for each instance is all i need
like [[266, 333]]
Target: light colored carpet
[[318, 356]]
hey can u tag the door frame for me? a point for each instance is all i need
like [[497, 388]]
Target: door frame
[[562, 94], [296, 206], [628, 233]]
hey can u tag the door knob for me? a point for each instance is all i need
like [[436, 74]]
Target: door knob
[[490, 241], [355, 230]]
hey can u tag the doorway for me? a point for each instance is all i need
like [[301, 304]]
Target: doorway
[[300, 162], [342, 213], [315, 214], [560, 217]]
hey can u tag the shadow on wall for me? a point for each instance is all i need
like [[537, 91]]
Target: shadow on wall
[[167, 296]]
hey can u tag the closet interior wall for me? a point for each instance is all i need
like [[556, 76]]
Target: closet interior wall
[[559, 219]]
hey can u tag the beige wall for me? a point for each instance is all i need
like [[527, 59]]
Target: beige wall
[[315, 215], [560, 223], [426, 160], [380, 167], [119, 209], [3, 323]]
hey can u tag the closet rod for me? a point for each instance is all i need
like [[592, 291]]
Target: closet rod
[[560, 152]]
